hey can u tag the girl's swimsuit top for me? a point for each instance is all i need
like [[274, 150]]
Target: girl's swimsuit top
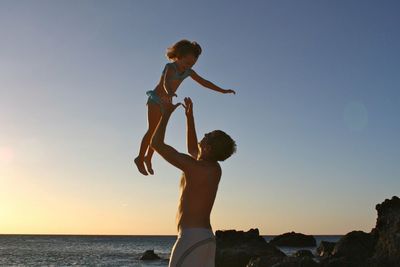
[[177, 76]]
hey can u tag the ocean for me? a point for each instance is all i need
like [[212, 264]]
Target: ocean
[[78, 250]]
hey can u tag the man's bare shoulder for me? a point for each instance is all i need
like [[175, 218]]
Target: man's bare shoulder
[[202, 170], [216, 169]]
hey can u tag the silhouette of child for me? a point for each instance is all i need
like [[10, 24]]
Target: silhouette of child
[[183, 55]]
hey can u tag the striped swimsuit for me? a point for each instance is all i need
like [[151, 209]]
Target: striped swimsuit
[[153, 97]]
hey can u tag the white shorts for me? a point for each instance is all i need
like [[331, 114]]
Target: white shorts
[[194, 247]]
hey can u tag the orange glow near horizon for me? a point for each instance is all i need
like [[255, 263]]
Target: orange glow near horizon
[[37, 209]]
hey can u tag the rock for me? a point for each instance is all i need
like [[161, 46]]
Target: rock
[[263, 261], [379, 248], [297, 262], [237, 248], [335, 262], [303, 253], [293, 239], [325, 248], [308, 262], [149, 255], [387, 234], [355, 247], [232, 237]]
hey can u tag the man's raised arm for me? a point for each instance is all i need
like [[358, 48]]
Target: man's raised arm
[[179, 160], [191, 137]]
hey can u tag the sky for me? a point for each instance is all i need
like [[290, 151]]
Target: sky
[[315, 116]]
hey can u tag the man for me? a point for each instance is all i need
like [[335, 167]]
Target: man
[[195, 245]]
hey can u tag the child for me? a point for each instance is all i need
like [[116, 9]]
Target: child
[[183, 55]]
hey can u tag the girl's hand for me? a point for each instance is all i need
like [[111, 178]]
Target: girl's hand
[[188, 106], [167, 107], [172, 95], [166, 99], [230, 91]]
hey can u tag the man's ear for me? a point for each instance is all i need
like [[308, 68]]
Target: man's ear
[[207, 149]]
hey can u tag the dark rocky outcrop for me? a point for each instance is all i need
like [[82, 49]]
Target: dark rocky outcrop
[[297, 262], [264, 261], [293, 239], [149, 255], [387, 233], [336, 262], [233, 237], [303, 253], [325, 248], [356, 247], [237, 248], [379, 248]]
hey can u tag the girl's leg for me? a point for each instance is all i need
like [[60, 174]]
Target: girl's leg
[[153, 116], [147, 159]]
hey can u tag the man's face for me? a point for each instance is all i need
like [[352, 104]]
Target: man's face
[[203, 144]]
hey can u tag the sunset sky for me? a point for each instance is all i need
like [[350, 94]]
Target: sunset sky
[[315, 117]]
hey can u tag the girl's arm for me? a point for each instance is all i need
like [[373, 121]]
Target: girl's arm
[[209, 84]]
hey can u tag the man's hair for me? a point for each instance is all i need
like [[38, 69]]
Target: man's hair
[[222, 145]]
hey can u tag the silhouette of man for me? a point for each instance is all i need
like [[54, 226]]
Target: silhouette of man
[[195, 245]]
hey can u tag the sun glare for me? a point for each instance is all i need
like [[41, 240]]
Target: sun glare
[[6, 155]]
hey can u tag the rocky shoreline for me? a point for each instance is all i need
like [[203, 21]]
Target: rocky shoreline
[[378, 248]]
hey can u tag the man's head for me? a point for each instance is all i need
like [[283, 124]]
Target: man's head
[[216, 146]]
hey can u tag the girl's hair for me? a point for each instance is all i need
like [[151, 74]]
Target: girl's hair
[[183, 48]]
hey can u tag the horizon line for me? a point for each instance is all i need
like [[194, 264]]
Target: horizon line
[[121, 235]]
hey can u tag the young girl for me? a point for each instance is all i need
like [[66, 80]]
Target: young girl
[[183, 55]]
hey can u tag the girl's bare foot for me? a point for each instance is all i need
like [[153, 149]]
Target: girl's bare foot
[[140, 165], [147, 161]]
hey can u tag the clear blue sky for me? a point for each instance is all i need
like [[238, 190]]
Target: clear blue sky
[[315, 116]]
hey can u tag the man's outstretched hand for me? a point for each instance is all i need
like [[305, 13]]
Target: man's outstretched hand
[[188, 106]]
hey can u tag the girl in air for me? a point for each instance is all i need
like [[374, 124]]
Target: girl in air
[[183, 55]]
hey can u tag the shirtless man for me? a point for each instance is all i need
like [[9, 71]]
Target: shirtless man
[[195, 246]]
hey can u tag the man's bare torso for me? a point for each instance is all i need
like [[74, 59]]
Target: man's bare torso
[[198, 189]]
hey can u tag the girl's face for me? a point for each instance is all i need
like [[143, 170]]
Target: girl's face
[[188, 61]]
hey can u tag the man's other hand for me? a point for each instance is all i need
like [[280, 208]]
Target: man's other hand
[[188, 106]]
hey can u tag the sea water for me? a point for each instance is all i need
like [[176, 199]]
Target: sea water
[[72, 250]]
